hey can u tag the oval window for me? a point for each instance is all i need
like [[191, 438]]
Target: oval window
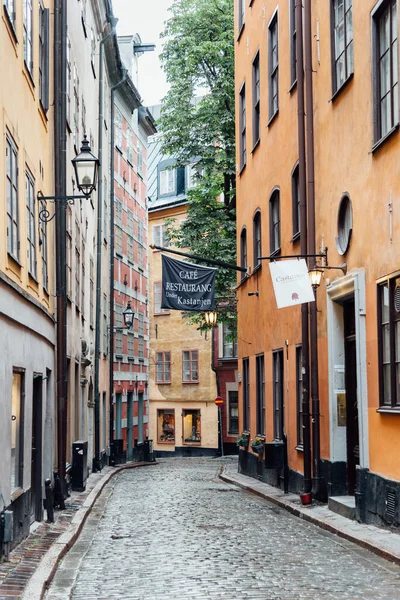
[[345, 225]]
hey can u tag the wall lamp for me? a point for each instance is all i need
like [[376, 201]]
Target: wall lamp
[[316, 273], [86, 167], [210, 318]]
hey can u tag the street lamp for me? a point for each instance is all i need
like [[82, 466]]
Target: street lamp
[[211, 318], [128, 315], [315, 277], [86, 167]]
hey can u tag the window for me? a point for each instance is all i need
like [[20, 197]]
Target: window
[[385, 68], [118, 212], [69, 264], [68, 82], [193, 174], [30, 223], [140, 256], [17, 430], [77, 278], [44, 57], [345, 225], [256, 99], [118, 240], [141, 323], [139, 160], [44, 249], [76, 109], [273, 67], [93, 51], [389, 342], [293, 50], [140, 347], [242, 126], [167, 181], [129, 248], [190, 366], [157, 300], [257, 240], [243, 249], [246, 394], [166, 426], [118, 128], [12, 198], [278, 393], [299, 395], [296, 202], [10, 8], [229, 345], [131, 345], [342, 42], [233, 415], [274, 223], [160, 236], [83, 279], [106, 215], [105, 328], [28, 21], [91, 292], [241, 14], [191, 426], [260, 395], [118, 415], [163, 367]]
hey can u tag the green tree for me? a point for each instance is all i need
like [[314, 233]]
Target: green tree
[[198, 124]]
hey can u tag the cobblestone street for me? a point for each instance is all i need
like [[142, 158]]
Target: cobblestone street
[[176, 531]]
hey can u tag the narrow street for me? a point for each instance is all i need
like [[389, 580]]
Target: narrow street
[[175, 531]]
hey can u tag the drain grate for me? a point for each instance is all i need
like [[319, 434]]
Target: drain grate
[[391, 503]]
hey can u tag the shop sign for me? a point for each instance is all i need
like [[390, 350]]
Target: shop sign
[[291, 282], [187, 286]]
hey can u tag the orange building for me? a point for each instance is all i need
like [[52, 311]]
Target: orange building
[[345, 161]]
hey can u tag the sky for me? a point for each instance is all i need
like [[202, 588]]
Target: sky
[[145, 17]]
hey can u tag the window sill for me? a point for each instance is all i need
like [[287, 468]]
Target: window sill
[[162, 314], [16, 494], [190, 382], [192, 443], [293, 87], [342, 87], [242, 168], [390, 410], [275, 253], [241, 29], [255, 146], [10, 27], [256, 268], [119, 356], [163, 382], [380, 142], [272, 119], [295, 238], [171, 443], [14, 260], [131, 358], [299, 448]]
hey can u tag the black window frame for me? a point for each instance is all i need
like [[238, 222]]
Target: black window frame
[[299, 396], [392, 404], [233, 405], [293, 48], [377, 15], [296, 218], [256, 98], [274, 226], [347, 52], [273, 67], [242, 127], [241, 16], [246, 393], [260, 395], [44, 57], [243, 250], [278, 393], [257, 242]]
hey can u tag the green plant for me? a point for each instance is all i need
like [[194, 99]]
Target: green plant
[[242, 439], [258, 441]]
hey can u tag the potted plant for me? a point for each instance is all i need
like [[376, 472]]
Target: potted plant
[[257, 445], [243, 440]]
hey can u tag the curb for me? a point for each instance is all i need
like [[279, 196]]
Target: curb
[[44, 574], [303, 513]]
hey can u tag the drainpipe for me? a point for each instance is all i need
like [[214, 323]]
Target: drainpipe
[[96, 459], [112, 244], [303, 247], [60, 178], [316, 450]]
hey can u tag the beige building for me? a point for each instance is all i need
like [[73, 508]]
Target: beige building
[[183, 416], [27, 287]]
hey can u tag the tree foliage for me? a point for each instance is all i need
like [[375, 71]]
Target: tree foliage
[[198, 123]]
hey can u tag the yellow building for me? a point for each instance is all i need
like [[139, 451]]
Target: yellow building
[[27, 289], [183, 416]]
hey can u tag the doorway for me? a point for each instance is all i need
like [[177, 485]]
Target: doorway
[[352, 433], [36, 453]]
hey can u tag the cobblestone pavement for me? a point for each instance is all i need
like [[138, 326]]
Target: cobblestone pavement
[[177, 532]]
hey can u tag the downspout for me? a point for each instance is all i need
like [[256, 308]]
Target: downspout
[[60, 178], [112, 243], [316, 450], [96, 458], [303, 247]]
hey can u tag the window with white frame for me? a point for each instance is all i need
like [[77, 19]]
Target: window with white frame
[[163, 367], [44, 57], [273, 67], [30, 223], [167, 181], [28, 25], [10, 8], [190, 366], [342, 41], [160, 235], [157, 299], [12, 198]]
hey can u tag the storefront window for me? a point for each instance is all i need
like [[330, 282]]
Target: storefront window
[[16, 432], [191, 426], [166, 426]]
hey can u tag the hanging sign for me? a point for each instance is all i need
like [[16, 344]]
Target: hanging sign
[[291, 282], [186, 286]]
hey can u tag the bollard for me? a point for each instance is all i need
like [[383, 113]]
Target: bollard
[[49, 501]]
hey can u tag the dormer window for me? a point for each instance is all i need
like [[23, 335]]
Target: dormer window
[[167, 181]]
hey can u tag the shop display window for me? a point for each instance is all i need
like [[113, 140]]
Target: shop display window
[[191, 426], [166, 426]]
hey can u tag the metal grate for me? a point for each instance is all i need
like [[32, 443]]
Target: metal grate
[[397, 298], [391, 503]]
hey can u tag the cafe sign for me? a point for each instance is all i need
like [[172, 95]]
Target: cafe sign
[[186, 286], [291, 282]]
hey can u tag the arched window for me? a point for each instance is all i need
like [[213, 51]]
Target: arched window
[[257, 239], [275, 223], [243, 249]]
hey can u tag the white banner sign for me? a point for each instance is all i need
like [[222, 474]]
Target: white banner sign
[[291, 282]]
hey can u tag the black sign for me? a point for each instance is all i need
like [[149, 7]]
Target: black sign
[[186, 286]]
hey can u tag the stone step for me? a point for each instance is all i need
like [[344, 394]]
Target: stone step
[[343, 505]]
